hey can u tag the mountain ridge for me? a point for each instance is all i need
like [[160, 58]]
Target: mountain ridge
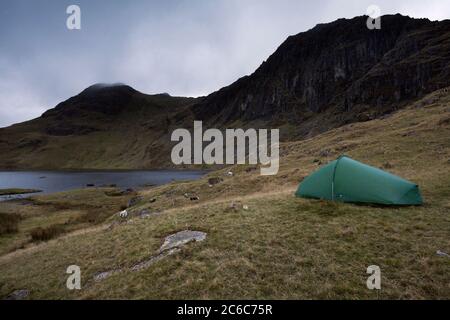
[[312, 70], [331, 75]]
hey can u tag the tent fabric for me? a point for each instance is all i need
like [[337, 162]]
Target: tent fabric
[[348, 180]]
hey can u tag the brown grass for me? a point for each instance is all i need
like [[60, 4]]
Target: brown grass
[[70, 211], [47, 233], [9, 223]]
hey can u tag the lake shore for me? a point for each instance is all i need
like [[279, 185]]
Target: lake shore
[[17, 191], [48, 182]]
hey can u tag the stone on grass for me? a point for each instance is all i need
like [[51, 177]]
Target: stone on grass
[[147, 263], [170, 246], [234, 206], [181, 238], [442, 254], [106, 274], [146, 213], [18, 295]]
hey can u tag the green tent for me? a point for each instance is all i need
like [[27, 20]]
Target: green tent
[[348, 180]]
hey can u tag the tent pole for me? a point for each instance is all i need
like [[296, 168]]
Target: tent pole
[[332, 190], [334, 174]]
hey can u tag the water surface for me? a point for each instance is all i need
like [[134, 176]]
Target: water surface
[[56, 181]]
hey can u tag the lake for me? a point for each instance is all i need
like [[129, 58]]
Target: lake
[[56, 181]]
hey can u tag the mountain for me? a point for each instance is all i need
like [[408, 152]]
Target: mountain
[[105, 126], [338, 73], [329, 76]]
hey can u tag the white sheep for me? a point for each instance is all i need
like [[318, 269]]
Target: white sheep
[[123, 214]]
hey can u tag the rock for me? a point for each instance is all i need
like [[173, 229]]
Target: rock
[[234, 206], [106, 274], [146, 214], [134, 201], [147, 263], [170, 246], [215, 180], [181, 238], [143, 213], [230, 173], [245, 207], [18, 295], [152, 200], [195, 198], [316, 161], [442, 254]]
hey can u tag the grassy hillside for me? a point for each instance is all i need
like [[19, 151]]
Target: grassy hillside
[[101, 128], [279, 247]]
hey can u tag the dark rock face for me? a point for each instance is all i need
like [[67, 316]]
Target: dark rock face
[[341, 67]]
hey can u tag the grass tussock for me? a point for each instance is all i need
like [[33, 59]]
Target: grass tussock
[[9, 223], [47, 233]]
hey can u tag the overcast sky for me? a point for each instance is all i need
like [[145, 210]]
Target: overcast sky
[[183, 47]]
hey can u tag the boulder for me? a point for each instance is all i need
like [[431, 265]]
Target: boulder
[[181, 238]]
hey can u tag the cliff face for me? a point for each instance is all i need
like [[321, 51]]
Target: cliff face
[[342, 69]]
